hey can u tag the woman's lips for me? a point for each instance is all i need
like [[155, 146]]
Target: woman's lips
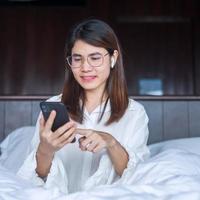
[[88, 78]]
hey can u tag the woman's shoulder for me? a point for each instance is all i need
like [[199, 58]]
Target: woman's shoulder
[[135, 109], [134, 105], [55, 98]]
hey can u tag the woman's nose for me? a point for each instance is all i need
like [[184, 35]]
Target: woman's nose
[[85, 66]]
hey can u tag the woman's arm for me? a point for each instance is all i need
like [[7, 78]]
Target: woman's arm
[[44, 161], [50, 142], [118, 156], [94, 141]]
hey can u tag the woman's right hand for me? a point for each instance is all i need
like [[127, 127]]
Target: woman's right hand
[[50, 141]]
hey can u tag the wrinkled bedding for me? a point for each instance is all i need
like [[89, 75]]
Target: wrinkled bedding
[[172, 172]]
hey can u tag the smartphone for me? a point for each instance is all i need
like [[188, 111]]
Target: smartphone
[[62, 116]]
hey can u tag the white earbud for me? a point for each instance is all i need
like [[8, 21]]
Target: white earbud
[[112, 62]]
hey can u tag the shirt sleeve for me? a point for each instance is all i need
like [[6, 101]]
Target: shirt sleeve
[[137, 146], [57, 178], [135, 143]]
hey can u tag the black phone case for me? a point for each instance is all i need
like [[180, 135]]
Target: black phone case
[[61, 113]]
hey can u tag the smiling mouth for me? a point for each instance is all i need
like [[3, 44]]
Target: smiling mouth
[[88, 78]]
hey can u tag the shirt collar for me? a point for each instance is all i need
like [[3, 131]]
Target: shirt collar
[[100, 108]]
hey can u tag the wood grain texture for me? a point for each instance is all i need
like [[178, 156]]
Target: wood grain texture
[[167, 119]]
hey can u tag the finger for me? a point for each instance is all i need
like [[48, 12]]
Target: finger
[[82, 148], [98, 148], [80, 143], [84, 132], [64, 128], [87, 141], [81, 139], [92, 146], [50, 120], [69, 140], [66, 136]]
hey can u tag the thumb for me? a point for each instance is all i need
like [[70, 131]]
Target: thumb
[[50, 120]]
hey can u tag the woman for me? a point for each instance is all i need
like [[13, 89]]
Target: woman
[[111, 130]]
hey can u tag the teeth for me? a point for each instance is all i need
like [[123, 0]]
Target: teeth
[[88, 77]]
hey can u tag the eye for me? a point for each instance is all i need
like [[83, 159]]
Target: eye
[[95, 57], [76, 59]]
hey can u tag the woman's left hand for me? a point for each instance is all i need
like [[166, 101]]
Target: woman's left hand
[[94, 141]]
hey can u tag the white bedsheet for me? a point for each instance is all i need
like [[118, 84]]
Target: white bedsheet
[[172, 173]]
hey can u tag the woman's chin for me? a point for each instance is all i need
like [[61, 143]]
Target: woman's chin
[[88, 87]]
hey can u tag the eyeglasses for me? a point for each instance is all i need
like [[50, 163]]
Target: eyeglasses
[[94, 60]]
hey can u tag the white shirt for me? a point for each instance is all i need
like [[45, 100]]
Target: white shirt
[[73, 170]]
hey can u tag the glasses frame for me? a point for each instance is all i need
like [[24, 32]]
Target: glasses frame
[[83, 59]]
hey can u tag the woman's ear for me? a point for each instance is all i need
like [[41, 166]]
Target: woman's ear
[[113, 58]]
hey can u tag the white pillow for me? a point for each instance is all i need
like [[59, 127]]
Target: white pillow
[[191, 145], [167, 167], [170, 161], [14, 147]]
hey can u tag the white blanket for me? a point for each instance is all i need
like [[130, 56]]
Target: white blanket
[[172, 173]]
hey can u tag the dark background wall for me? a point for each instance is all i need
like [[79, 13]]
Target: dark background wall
[[160, 41]]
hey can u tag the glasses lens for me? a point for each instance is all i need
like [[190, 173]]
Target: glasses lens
[[74, 61], [95, 60]]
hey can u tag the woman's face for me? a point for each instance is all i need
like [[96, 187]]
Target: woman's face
[[94, 66]]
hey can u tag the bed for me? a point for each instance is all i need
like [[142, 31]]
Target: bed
[[172, 172]]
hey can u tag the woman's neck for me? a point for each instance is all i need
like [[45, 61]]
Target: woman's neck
[[94, 99]]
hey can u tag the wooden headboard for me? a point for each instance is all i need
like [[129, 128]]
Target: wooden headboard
[[169, 117]]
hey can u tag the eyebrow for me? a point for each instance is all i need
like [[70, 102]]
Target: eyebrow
[[91, 54], [76, 54]]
